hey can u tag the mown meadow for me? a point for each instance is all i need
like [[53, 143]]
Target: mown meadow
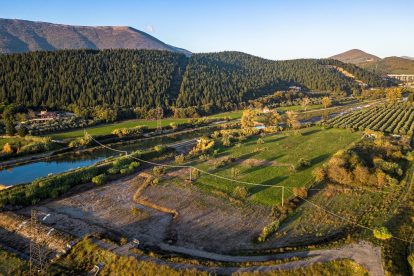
[[274, 160]]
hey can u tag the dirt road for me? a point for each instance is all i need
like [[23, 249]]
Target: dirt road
[[362, 253]]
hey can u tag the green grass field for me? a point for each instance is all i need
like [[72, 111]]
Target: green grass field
[[299, 107], [278, 153], [231, 114], [108, 128]]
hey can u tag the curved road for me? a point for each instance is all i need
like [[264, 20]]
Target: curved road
[[362, 253]]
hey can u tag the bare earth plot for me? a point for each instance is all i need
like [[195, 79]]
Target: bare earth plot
[[204, 222]]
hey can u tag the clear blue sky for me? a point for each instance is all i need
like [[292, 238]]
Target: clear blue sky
[[272, 29]]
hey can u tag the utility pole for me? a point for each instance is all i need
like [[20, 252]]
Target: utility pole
[[38, 254]]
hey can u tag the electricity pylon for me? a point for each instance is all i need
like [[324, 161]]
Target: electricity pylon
[[38, 252]]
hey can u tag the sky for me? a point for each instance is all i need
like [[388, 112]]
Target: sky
[[273, 29]]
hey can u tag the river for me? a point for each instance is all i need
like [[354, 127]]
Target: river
[[54, 165]]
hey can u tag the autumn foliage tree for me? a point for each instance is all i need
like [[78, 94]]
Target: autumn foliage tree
[[248, 118], [326, 102], [271, 118], [292, 120], [7, 148], [203, 145], [305, 102], [393, 94]]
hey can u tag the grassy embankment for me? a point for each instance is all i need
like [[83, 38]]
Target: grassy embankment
[[85, 255]]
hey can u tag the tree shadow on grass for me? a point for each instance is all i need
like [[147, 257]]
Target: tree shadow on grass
[[310, 132], [255, 168], [277, 139], [273, 181], [273, 158], [232, 164], [319, 159]]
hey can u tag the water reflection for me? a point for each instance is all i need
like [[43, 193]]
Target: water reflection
[[29, 172]]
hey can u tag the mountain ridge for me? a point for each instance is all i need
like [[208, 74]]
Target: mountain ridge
[[18, 35], [355, 56], [387, 65]]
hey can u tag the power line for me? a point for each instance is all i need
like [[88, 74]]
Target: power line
[[253, 184]]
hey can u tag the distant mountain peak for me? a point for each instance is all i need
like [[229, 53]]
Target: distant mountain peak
[[23, 36], [355, 56], [406, 57]]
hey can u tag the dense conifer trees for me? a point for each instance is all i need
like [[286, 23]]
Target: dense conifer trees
[[147, 79]]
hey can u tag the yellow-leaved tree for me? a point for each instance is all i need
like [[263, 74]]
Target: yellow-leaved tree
[[248, 118], [326, 102], [393, 94]]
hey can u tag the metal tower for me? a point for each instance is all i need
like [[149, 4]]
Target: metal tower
[[38, 250]]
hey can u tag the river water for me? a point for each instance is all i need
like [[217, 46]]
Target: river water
[[28, 172]]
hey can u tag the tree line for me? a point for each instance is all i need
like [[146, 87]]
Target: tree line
[[70, 79]]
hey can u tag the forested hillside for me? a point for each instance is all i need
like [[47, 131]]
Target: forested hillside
[[89, 78], [148, 78], [232, 77], [391, 65]]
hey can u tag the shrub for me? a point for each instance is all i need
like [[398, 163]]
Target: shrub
[[223, 162], [410, 260], [235, 172], [159, 148], [241, 192], [100, 179], [319, 174], [113, 170], [82, 141], [268, 230], [382, 233], [135, 211], [226, 140], [121, 162], [35, 147], [120, 132], [158, 171], [7, 148], [204, 157], [123, 241], [300, 192], [179, 159], [126, 171], [203, 145], [195, 173], [134, 165], [260, 141], [302, 163]]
